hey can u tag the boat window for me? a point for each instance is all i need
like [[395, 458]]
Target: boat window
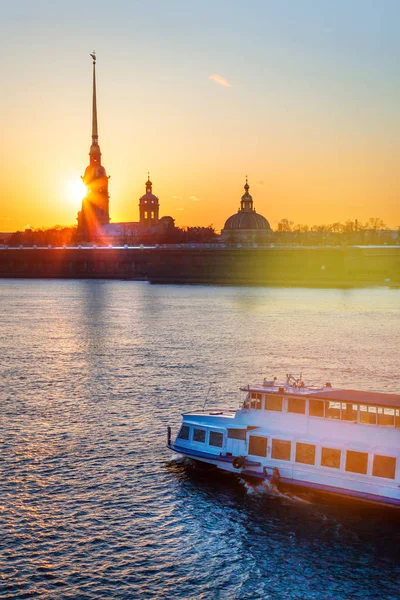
[[330, 457], [256, 401], [216, 439], [199, 435], [246, 403], [281, 449], [184, 433], [386, 416], [357, 462], [368, 414], [332, 409], [316, 408], [237, 434], [384, 466], [273, 402], [305, 453], [349, 411], [297, 405], [258, 445]]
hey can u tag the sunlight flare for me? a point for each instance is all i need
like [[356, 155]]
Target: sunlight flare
[[76, 191]]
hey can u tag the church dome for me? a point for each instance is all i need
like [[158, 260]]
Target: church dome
[[246, 217], [149, 196], [247, 220]]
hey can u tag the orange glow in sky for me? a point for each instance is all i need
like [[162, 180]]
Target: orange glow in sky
[[305, 101]]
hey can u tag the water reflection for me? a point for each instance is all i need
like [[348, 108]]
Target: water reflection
[[93, 372]]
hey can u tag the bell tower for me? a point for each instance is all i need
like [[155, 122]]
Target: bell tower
[[95, 205], [149, 206]]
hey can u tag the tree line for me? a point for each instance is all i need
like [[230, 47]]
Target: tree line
[[350, 231], [349, 226]]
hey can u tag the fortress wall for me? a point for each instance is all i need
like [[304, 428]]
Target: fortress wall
[[279, 265]]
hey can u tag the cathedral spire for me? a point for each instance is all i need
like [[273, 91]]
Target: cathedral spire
[[95, 154], [95, 205], [95, 135]]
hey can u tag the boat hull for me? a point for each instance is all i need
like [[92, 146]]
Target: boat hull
[[294, 485]]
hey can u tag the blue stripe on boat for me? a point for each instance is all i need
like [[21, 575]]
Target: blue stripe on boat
[[296, 482], [209, 456]]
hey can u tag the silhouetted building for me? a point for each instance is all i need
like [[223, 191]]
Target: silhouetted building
[[147, 229], [246, 225], [5, 238], [149, 206], [95, 205], [165, 224], [94, 218]]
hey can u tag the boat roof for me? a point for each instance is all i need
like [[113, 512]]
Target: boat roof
[[334, 394], [359, 397], [216, 417]]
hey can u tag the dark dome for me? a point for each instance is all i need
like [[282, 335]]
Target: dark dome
[[148, 197], [247, 220]]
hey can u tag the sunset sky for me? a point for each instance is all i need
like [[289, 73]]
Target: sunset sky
[[302, 95]]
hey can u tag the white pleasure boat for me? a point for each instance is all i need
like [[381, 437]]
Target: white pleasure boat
[[336, 441]]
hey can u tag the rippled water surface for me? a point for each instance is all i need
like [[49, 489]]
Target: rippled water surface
[[92, 503]]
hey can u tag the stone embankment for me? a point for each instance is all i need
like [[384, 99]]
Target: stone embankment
[[275, 265]]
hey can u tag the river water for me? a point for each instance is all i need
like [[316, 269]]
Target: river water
[[93, 504]]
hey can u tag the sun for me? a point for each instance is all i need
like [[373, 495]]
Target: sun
[[76, 191]]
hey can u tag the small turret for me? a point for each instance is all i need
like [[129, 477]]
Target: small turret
[[246, 203]]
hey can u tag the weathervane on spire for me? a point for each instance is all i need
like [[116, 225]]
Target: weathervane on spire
[[93, 55]]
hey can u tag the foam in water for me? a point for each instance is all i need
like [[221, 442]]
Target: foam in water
[[268, 489]]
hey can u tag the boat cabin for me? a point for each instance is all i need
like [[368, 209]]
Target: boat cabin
[[367, 408]]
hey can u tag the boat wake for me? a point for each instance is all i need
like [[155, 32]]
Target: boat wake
[[265, 488]]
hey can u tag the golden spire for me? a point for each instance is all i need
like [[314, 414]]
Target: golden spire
[[95, 135]]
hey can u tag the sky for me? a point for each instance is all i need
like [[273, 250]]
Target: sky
[[303, 96]]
